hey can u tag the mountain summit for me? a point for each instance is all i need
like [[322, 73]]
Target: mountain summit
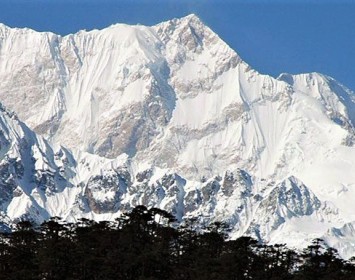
[[170, 116]]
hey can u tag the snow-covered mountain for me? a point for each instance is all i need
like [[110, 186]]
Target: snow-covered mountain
[[170, 116]]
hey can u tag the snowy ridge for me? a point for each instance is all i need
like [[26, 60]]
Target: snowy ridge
[[170, 116]]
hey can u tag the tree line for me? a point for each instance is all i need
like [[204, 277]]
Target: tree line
[[148, 244]]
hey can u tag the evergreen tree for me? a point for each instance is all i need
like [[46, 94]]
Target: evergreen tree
[[23, 244], [147, 244]]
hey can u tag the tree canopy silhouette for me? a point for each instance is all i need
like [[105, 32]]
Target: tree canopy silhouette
[[149, 244]]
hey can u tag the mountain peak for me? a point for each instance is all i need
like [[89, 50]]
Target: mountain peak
[[183, 24], [173, 99], [191, 18]]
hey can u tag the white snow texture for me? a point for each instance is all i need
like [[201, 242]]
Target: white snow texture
[[170, 116]]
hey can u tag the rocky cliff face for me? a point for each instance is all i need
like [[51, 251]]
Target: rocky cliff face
[[169, 116]]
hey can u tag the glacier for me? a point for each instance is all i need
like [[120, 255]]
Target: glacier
[[97, 122]]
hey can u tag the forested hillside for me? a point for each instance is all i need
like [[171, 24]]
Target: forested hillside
[[148, 244]]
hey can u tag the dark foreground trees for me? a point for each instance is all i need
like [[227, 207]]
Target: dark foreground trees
[[147, 244]]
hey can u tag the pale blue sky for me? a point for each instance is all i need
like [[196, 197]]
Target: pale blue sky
[[272, 36]]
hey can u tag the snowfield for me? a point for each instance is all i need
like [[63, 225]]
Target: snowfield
[[170, 116]]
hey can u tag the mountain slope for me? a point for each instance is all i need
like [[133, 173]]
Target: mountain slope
[[170, 116]]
